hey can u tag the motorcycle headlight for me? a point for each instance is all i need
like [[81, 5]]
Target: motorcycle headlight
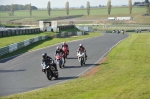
[[47, 67]]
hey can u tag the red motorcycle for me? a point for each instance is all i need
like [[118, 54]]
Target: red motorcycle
[[66, 51], [59, 60]]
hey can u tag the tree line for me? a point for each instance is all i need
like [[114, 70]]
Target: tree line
[[108, 7], [14, 7]]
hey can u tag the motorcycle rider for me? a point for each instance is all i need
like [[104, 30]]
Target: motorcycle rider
[[48, 61], [81, 48], [65, 45], [60, 51]]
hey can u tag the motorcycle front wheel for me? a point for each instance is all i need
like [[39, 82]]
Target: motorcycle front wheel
[[49, 74]]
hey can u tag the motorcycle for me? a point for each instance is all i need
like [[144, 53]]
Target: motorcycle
[[81, 57], [59, 60], [50, 71], [123, 32], [66, 51]]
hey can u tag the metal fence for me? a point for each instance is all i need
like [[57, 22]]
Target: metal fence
[[15, 46], [17, 31]]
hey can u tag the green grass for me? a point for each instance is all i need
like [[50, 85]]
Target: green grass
[[13, 39], [124, 75], [46, 43], [95, 12]]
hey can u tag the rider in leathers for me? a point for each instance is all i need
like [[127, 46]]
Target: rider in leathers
[[60, 51], [65, 45], [48, 61], [81, 48]]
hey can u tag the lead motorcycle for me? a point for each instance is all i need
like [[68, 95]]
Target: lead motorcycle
[[59, 60], [50, 71], [81, 57]]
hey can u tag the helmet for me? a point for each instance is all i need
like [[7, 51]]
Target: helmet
[[80, 45], [44, 55], [57, 47], [64, 43]]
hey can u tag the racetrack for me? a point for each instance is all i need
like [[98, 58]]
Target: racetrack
[[23, 73]]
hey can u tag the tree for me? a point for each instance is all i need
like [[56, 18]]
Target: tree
[[12, 10], [30, 9], [146, 1], [130, 6], [88, 7], [16, 7], [148, 8], [48, 8], [82, 7], [67, 8], [109, 6]]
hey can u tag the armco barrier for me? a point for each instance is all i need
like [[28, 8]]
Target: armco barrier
[[1, 33], [26, 42], [4, 33], [20, 45], [4, 50], [9, 33], [13, 47], [65, 34], [17, 31]]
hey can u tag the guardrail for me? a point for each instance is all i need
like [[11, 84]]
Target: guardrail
[[67, 34], [17, 31], [15, 46]]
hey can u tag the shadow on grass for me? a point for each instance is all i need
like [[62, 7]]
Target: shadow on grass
[[103, 63], [18, 52], [8, 71]]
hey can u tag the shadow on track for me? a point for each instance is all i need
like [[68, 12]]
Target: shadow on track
[[67, 67], [10, 71], [72, 58], [66, 78]]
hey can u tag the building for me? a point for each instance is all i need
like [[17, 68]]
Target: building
[[111, 18], [124, 18]]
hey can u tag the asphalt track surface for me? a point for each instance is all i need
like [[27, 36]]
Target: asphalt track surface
[[23, 72]]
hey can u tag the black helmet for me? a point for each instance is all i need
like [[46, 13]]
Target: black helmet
[[44, 55]]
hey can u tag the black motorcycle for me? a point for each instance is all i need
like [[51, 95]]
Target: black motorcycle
[[50, 72]]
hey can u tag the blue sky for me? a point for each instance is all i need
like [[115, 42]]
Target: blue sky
[[61, 3]]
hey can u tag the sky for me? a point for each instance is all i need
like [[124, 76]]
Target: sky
[[61, 3]]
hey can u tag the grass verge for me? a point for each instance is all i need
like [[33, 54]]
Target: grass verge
[[4, 41], [47, 42], [124, 75]]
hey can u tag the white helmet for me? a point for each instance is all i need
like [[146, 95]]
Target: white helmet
[[57, 47], [80, 45]]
